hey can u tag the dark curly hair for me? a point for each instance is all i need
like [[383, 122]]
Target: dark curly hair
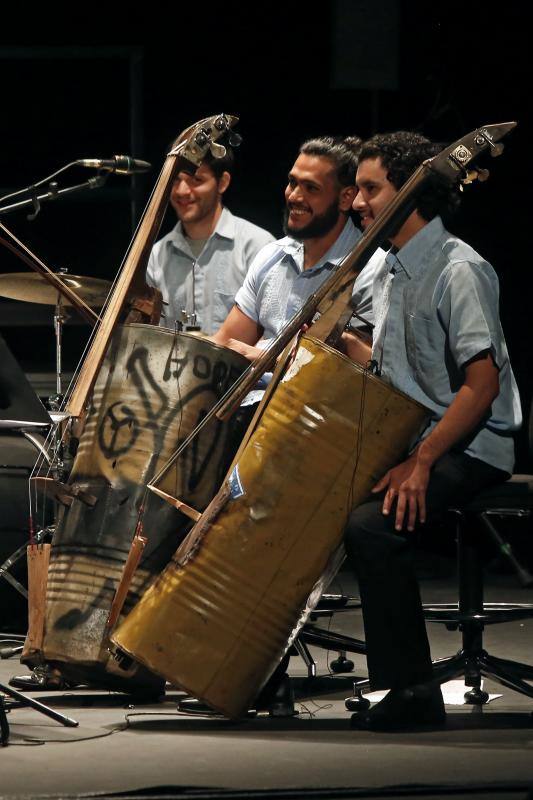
[[342, 151], [401, 153]]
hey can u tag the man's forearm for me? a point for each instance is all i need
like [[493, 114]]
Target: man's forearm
[[471, 404], [355, 348]]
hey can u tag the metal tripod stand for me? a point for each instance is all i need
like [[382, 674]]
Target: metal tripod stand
[[22, 700]]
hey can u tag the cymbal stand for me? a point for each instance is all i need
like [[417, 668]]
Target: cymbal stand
[[20, 701], [55, 401]]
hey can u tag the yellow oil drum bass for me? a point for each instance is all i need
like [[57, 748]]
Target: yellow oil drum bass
[[219, 618]]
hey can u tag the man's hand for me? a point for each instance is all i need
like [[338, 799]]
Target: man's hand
[[409, 480], [247, 350], [407, 483]]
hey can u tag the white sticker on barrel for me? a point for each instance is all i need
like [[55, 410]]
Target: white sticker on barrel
[[235, 485]]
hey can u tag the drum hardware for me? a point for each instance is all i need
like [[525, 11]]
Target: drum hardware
[[22, 701], [34, 287], [10, 241]]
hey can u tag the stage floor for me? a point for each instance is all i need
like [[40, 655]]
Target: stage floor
[[118, 748]]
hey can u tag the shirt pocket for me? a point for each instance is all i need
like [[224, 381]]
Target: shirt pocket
[[425, 344], [222, 304]]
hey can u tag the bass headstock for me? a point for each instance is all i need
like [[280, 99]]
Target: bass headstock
[[195, 142], [456, 162]]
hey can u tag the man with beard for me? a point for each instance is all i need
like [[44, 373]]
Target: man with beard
[[320, 233], [201, 263]]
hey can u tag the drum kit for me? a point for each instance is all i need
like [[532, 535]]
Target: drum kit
[[26, 432], [24, 422]]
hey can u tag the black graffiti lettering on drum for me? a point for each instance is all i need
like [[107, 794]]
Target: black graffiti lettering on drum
[[75, 617], [181, 363], [112, 427], [118, 432], [146, 384], [203, 368]]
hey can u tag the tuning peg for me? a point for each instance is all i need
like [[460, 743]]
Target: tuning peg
[[201, 138], [217, 150], [221, 123], [234, 139], [496, 149], [477, 174]]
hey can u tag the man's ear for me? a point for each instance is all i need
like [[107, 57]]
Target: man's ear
[[346, 197], [224, 182]]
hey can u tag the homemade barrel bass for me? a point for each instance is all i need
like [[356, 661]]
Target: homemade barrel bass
[[152, 390], [140, 390], [221, 615]]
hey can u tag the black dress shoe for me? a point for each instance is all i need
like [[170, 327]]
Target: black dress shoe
[[41, 680], [413, 708]]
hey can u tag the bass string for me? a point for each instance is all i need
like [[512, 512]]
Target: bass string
[[175, 349], [109, 297], [359, 437], [43, 467]]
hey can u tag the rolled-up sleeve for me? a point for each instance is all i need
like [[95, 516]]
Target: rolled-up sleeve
[[468, 310], [246, 297]]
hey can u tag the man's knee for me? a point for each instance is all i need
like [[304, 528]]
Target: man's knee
[[370, 534]]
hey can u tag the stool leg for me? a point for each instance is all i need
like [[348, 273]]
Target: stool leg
[[304, 653], [492, 668]]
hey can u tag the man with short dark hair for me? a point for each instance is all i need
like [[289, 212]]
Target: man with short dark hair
[[319, 234], [201, 263], [438, 338]]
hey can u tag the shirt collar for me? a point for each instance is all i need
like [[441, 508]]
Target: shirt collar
[[343, 244], [412, 257], [225, 228]]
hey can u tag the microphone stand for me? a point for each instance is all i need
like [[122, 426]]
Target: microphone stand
[[52, 194]]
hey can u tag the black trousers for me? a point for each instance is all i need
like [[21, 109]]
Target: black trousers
[[397, 646]]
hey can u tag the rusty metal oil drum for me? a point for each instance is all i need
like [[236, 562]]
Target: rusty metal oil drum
[[220, 617], [155, 385]]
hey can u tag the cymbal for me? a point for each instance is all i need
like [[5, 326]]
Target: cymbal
[[33, 288]]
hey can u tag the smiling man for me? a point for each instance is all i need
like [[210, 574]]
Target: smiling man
[[201, 263], [319, 233], [438, 338]]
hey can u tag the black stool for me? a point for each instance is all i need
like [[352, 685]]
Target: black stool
[[510, 500]]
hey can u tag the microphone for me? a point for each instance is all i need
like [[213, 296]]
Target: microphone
[[122, 165]]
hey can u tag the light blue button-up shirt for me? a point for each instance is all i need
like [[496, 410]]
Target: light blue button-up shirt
[[206, 285], [436, 307], [277, 285]]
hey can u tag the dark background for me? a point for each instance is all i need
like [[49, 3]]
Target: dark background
[[289, 73]]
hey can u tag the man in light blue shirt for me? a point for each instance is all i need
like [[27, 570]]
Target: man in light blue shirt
[[318, 196], [201, 263], [438, 338]]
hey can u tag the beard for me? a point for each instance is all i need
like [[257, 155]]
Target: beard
[[319, 226]]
